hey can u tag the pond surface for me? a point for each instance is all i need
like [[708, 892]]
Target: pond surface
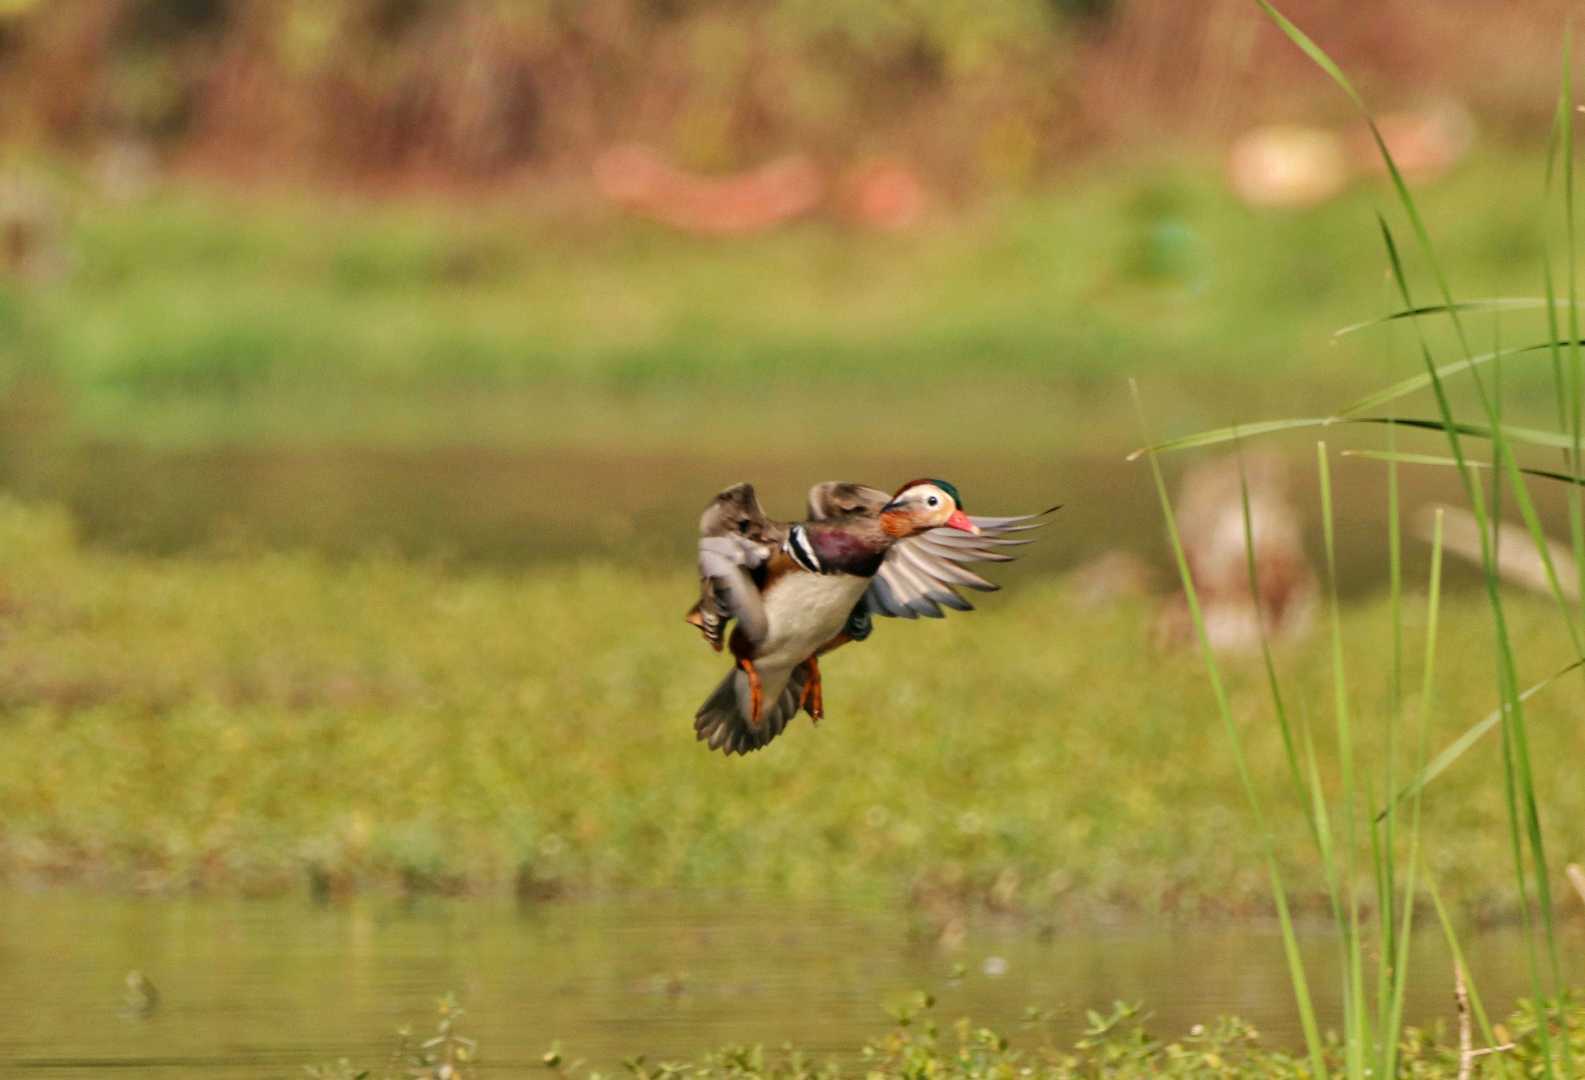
[[515, 508], [262, 988]]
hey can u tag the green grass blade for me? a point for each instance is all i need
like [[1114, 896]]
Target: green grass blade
[[1385, 952], [1517, 777], [1273, 683], [1512, 787], [1574, 382], [1355, 1020], [1386, 893], [1482, 1021], [1577, 429], [1455, 750], [1229, 434], [1414, 383], [1290, 942], [1540, 437], [1323, 826], [1438, 460], [1560, 120], [1492, 303], [1394, 1025], [1506, 433], [1516, 737], [1311, 795], [1313, 51]]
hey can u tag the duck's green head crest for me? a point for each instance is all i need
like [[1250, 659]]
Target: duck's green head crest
[[942, 484], [950, 490]]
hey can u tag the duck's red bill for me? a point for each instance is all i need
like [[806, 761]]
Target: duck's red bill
[[960, 520]]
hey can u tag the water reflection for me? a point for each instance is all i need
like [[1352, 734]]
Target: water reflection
[[263, 987]]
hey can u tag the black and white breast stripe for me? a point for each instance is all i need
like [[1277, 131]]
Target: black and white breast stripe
[[802, 550]]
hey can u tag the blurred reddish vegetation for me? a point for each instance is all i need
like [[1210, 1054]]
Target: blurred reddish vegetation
[[967, 97]]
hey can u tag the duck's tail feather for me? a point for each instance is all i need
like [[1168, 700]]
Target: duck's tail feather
[[722, 722]]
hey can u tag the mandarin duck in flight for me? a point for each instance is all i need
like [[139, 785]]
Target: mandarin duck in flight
[[800, 590]]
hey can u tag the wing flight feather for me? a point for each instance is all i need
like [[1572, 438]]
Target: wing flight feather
[[919, 574]]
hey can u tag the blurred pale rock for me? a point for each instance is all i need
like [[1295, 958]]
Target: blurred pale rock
[[1294, 166], [1210, 513], [639, 180], [1287, 166]]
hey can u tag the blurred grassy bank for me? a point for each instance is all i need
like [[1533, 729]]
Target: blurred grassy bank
[[196, 317], [270, 722]]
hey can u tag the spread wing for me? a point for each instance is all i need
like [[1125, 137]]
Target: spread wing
[[725, 562], [835, 498], [921, 574]]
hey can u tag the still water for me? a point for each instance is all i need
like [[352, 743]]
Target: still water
[[519, 508], [262, 988]]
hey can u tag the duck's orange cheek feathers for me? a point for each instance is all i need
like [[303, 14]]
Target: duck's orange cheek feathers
[[896, 524]]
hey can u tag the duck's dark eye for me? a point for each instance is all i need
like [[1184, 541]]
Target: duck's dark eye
[[933, 501]]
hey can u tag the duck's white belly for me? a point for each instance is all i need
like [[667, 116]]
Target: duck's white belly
[[803, 611]]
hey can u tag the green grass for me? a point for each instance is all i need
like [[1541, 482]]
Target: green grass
[[199, 316], [267, 722]]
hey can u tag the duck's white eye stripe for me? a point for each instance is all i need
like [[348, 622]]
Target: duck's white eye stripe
[[802, 551]]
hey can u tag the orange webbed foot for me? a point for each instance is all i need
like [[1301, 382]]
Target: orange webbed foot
[[812, 699]]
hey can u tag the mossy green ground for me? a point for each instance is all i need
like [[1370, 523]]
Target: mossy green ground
[[263, 721], [266, 722]]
